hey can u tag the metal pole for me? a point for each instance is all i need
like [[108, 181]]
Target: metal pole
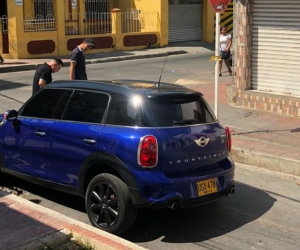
[[217, 43]]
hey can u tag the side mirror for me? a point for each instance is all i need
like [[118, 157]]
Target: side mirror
[[11, 114]]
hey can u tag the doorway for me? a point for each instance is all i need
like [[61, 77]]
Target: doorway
[[4, 43]]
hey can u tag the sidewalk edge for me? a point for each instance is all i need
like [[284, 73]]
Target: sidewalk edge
[[99, 60], [97, 238], [143, 56], [18, 68], [270, 162]]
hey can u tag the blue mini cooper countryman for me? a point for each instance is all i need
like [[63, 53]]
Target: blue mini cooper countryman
[[122, 145]]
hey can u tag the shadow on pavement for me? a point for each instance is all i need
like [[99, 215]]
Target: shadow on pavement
[[36, 193], [5, 85], [296, 130], [201, 223]]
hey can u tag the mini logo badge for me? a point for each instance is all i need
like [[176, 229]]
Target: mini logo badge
[[202, 141]]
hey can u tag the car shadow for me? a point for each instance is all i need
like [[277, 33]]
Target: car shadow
[[204, 222], [36, 193], [190, 225]]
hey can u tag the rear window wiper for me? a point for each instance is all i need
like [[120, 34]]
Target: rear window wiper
[[184, 122]]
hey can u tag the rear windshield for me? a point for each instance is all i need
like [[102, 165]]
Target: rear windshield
[[181, 110], [161, 111]]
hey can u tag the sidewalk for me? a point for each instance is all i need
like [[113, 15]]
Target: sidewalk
[[263, 139], [28, 226]]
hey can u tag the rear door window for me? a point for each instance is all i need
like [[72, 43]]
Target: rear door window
[[86, 106], [180, 110], [124, 113]]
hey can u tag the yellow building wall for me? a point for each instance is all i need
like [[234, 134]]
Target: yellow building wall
[[60, 42], [124, 5], [19, 40], [162, 8], [164, 22], [208, 33], [155, 6], [28, 8], [15, 27]]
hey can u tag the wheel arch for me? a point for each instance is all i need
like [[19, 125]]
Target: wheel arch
[[99, 163]]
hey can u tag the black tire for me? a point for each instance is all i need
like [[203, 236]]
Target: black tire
[[108, 204]]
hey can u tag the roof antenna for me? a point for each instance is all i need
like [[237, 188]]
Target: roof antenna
[[158, 84]]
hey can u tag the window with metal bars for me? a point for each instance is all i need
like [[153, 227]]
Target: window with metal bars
[[93, 8], [43, 8]]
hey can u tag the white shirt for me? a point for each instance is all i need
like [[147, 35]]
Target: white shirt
[[224, 41]]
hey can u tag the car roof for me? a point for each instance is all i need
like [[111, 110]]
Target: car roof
[[126, 87]]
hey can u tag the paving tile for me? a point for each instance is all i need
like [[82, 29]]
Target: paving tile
[[23, 232]]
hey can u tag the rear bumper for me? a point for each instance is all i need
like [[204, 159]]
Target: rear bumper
[[158, 191], [176, 202]]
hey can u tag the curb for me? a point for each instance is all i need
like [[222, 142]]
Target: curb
[[98, 239], [26, 67], [124, 58], [18, 68], [270, 162]]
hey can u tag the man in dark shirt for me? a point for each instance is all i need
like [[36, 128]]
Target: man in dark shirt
[[77, 66], [43, 74]]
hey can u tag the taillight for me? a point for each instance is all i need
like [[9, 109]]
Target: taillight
[[5, 115], [148, 151], [228, 139]]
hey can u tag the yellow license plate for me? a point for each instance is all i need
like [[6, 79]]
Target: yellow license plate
[[207, 187]]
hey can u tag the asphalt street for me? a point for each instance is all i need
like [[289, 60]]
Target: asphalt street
[[16, 87], [262, 214]]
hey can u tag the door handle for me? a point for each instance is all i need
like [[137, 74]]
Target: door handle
[[89, 141], [39, 133]]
